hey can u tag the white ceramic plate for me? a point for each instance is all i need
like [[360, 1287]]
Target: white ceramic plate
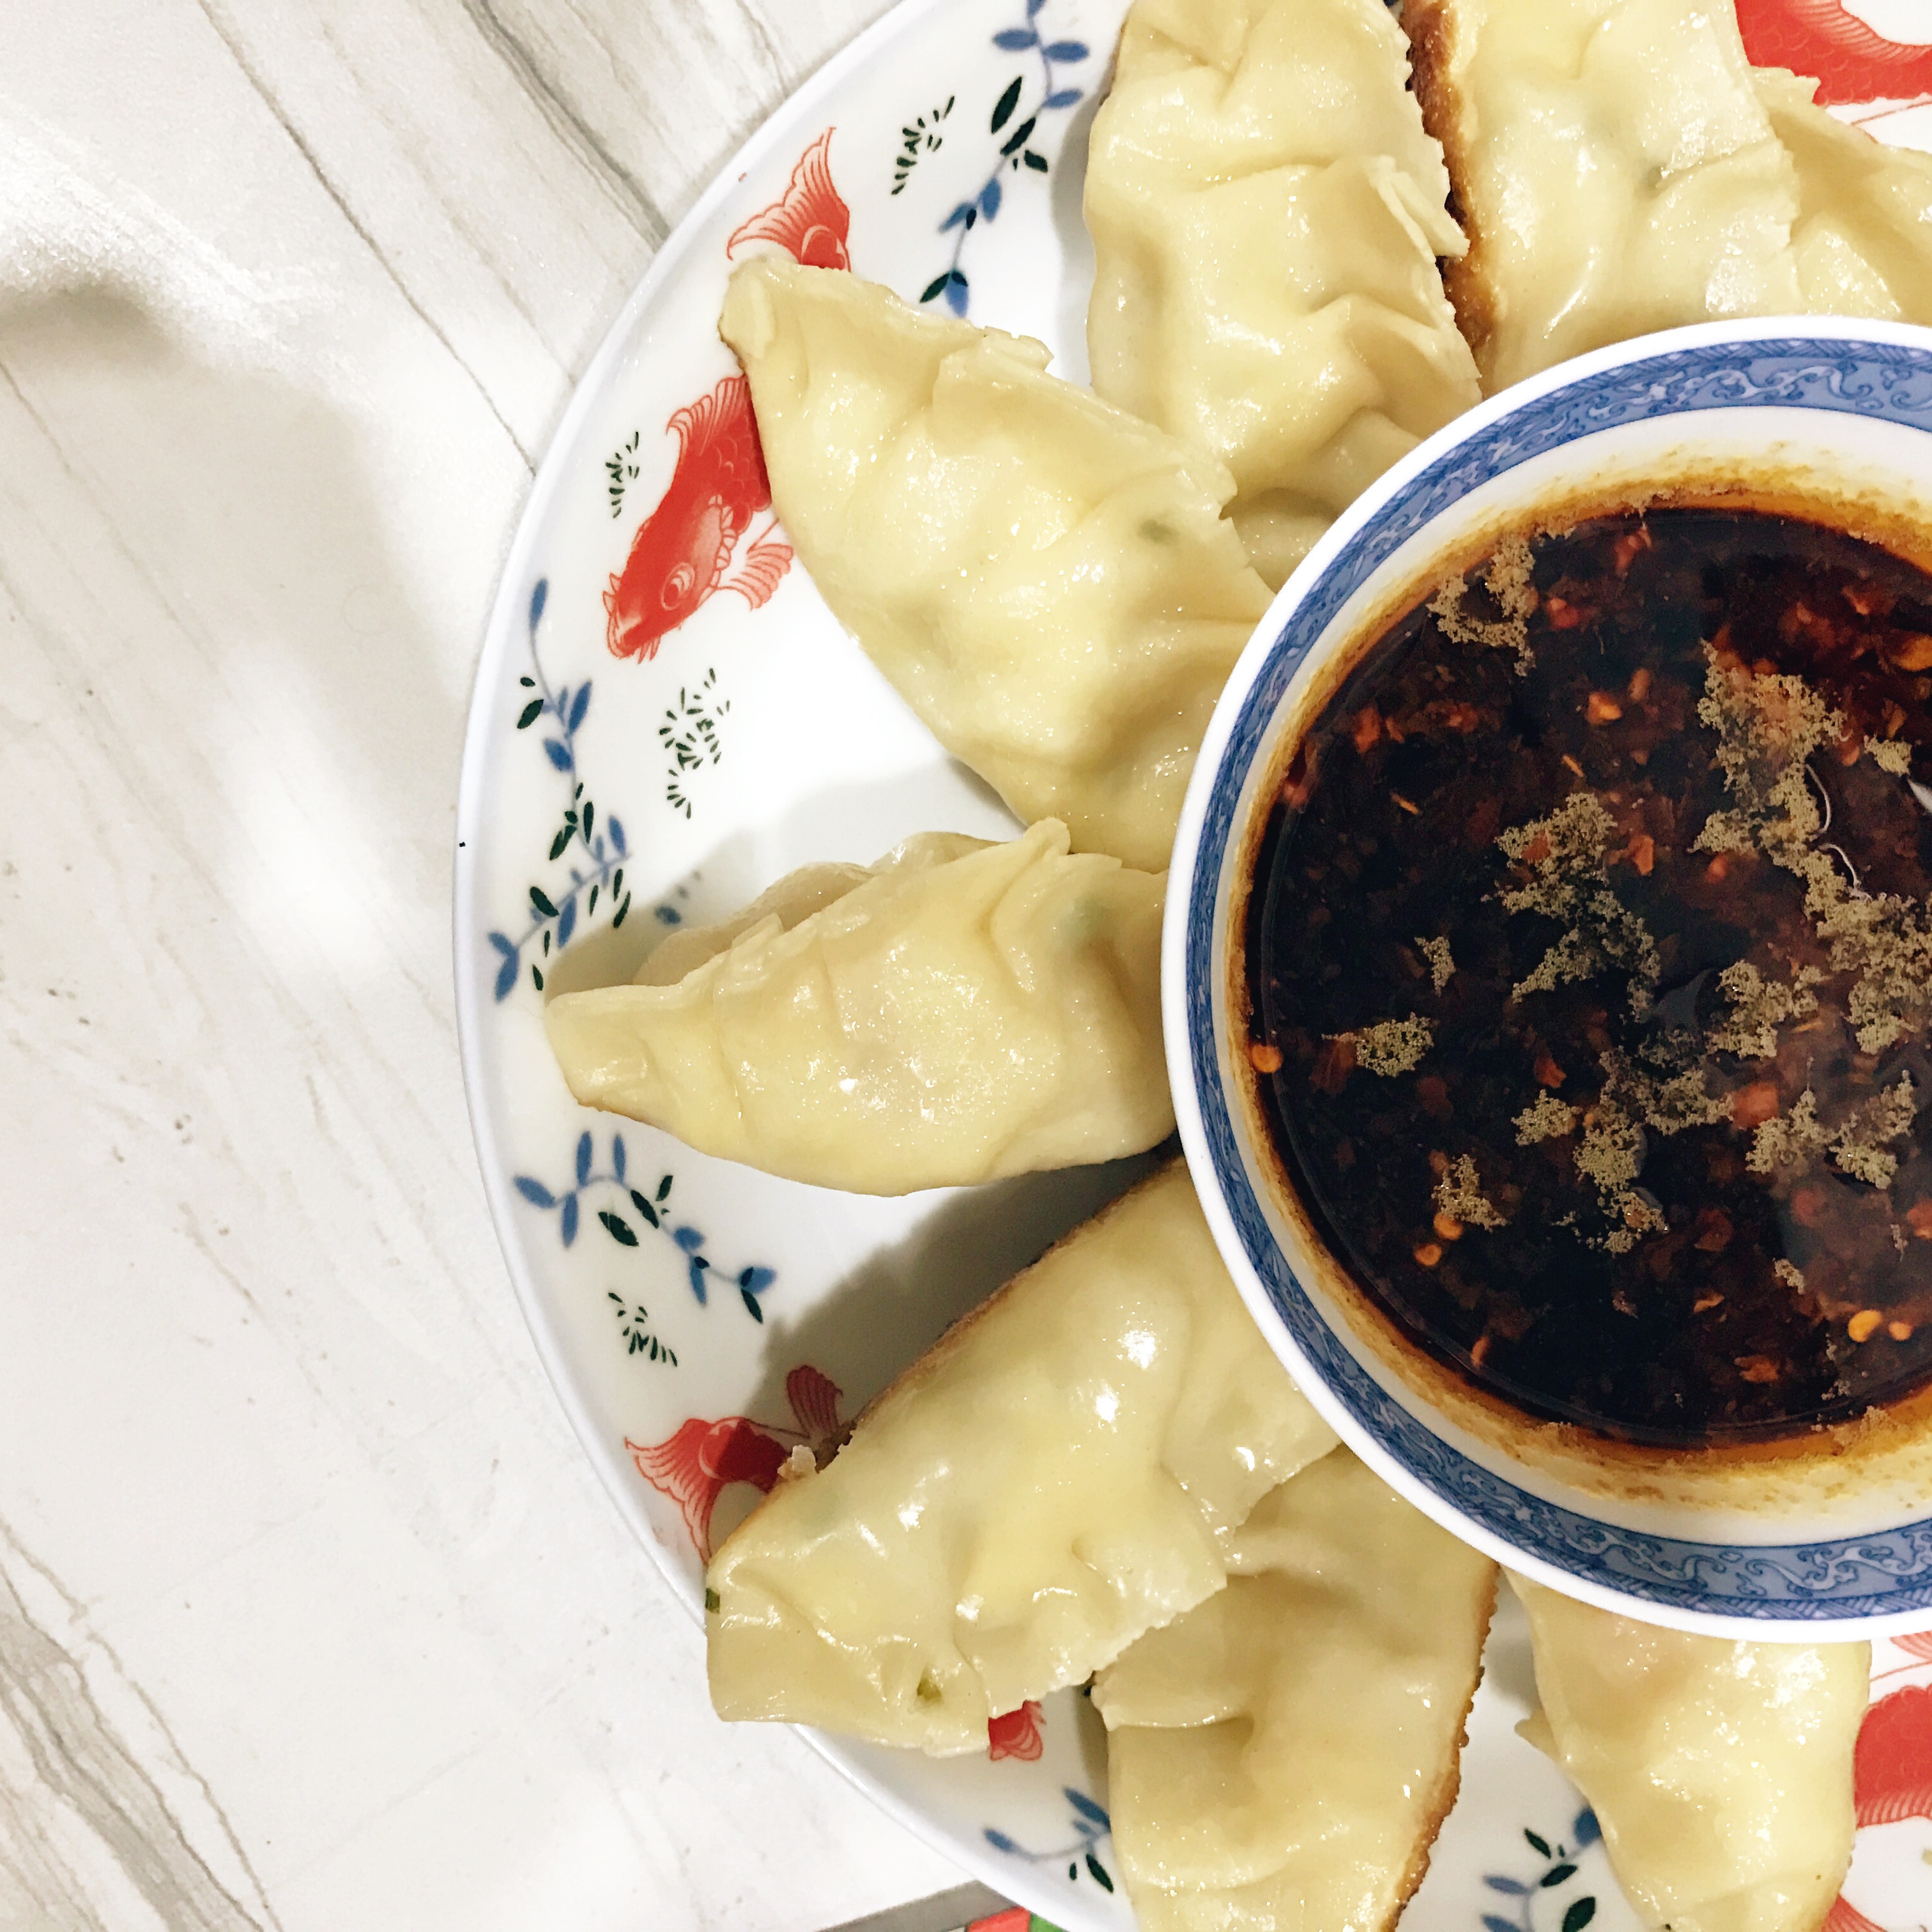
[[699, 1319]]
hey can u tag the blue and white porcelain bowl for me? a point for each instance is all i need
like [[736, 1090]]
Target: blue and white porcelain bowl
[[1835, 1543]]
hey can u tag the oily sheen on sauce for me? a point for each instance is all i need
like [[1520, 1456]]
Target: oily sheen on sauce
[[1588, 958]]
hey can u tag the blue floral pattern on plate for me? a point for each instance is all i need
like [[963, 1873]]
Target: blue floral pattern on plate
[[651, 1210], [1092, 1828], [1015, 139]]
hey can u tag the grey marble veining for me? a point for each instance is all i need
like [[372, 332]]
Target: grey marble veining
[[312, 1614], [93, 1821]]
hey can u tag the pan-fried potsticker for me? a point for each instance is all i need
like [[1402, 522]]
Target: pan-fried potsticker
[[1284, 1755], [1620, 166], [1721, 1771]]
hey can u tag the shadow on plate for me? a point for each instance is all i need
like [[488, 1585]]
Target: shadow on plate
[[876, 1322], [850, 824]]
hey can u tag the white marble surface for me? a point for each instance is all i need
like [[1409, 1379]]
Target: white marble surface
[[311, 1613]]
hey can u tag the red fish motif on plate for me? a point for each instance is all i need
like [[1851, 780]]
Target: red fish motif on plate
[[687, 549], [695, 1466], [1016, 1735], [1853, 62], [683, 551], [810, 220], [1845, 1917], [1891, 1776]]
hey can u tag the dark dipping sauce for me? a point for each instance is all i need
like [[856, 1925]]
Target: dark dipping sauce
[[1589, 962]]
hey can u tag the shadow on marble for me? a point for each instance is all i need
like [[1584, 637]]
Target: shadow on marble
[[249, 526]]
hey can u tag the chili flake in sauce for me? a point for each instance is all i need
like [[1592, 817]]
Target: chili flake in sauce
[[1589, 957]]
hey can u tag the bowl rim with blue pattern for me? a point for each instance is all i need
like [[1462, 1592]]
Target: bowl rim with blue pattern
[[1806, 388]]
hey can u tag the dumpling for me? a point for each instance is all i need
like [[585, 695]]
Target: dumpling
[[1863, 237], [960, 1012], [1620, 166], [1059, 1474], [1283, 1756], [1048, 582], [793, 901], [1720, 1772], [1613, 165], [1267, 212]]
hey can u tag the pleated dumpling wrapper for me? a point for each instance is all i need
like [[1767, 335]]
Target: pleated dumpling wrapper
[[1720, 1772], [1284, 1755], [1048, 582], [1863, 235], [1267, 212], [1620, 166], [960, 1011], [1060, 1475]]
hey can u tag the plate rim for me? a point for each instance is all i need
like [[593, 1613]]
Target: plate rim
[[505, 615], [500, 625], [500, 630]]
